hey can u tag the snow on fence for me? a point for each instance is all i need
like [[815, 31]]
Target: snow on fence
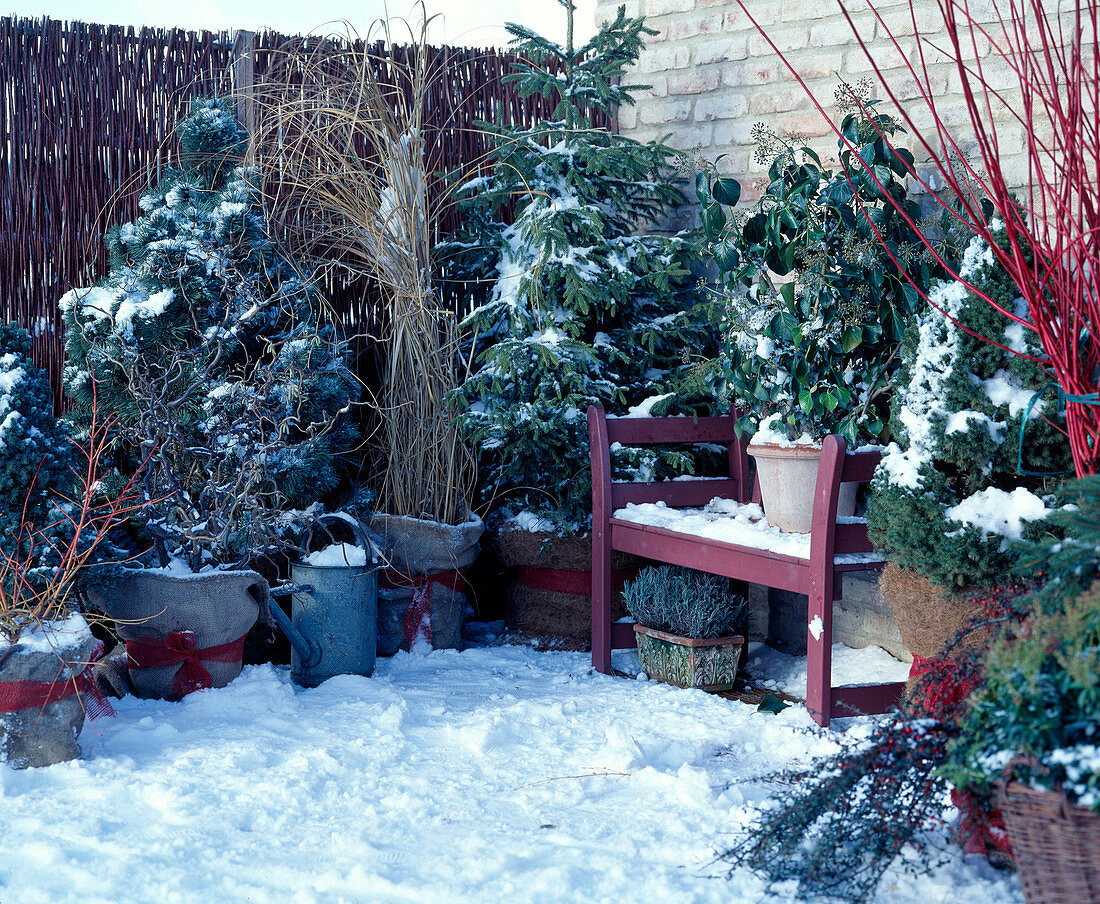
[[86, 117]]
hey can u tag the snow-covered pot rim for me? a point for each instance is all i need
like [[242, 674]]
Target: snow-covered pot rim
[[56, 638]]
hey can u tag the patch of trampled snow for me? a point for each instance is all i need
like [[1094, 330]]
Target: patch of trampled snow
[[493, 775]]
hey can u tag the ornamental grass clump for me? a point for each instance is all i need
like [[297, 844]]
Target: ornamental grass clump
[[343, 148], [685, 602]]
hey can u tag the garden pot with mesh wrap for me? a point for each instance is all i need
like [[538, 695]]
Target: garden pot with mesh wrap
[[422, 592], [183, 632], [709, 664], [45, 692], [550, 595]]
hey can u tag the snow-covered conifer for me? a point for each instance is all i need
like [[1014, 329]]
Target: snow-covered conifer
[[204, 340], [572, 306]]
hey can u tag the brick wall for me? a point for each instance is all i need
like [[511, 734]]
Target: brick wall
[[713, 75]]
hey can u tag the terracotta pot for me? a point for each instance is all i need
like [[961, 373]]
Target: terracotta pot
[[708, 664], [788, 477]]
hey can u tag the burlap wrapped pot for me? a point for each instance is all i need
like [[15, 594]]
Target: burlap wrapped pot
[[41, 735], [431, 556], [154, 609]]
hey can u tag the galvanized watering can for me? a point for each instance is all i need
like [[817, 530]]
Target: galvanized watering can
[[333, 628]]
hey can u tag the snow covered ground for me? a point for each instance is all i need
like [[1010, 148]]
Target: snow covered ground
[[500, 775]]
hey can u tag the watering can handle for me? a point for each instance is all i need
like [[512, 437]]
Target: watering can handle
[[357, 529]]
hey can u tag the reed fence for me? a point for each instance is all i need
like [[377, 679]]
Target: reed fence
[[86, 120]]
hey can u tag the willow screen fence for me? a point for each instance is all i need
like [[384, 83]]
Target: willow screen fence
[[86, 119]]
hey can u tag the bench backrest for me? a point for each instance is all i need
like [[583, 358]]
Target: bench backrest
[[652, 431], [837, 466]]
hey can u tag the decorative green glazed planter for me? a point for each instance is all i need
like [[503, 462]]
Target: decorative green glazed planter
[[710, 664]]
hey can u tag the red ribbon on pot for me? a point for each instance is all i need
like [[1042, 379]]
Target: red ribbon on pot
[[181, 647], [418, 617], [560, 580], [18, 695]]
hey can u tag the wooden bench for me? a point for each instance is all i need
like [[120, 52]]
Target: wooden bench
[[833, 548]]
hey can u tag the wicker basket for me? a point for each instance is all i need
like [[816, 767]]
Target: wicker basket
[[1056, 845]]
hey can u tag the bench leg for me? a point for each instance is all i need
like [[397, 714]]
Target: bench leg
[[819, 663], [601, 601]]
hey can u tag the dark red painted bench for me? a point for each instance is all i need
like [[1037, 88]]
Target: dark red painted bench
[[819, 576]]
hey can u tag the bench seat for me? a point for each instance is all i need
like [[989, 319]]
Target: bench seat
[[729, 536]]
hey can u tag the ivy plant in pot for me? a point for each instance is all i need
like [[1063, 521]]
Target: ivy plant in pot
[[205, 344], [687, 625], [815, 308]]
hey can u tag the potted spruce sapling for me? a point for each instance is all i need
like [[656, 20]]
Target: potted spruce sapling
[[204, 342], [688, 626], [814, 307], [574, 305], [373, 215]]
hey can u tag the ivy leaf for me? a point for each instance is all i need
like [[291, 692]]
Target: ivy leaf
[[713, 220], [702, 191], [806, 401], [851, 338], [726, 254], [726, 191], [787, 291], [772, 705]]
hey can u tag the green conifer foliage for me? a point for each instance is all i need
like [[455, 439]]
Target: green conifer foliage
[[204, 340], [35, 450], [571, 307], [948, 499]]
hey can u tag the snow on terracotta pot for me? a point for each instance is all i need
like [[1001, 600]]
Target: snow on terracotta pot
[[422, 594], [45, 692]]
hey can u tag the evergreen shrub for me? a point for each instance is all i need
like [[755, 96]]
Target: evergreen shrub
[[205, 341], [573, 305]]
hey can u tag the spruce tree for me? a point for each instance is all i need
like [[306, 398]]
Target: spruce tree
[[204, 341], [36, 455], [954, 491], [571, 305]]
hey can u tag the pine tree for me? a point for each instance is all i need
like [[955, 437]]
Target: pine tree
[[572, 307], [36, 454], [204, 341], [948, 501]]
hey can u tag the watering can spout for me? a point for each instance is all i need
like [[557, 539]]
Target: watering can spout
[[309, 652]]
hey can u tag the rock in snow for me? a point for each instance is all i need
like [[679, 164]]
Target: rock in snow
[[494, 775]]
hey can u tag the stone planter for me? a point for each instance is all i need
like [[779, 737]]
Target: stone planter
[[422, 594], [708, 664], [183, 632], [788, 477], [44, 670]]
